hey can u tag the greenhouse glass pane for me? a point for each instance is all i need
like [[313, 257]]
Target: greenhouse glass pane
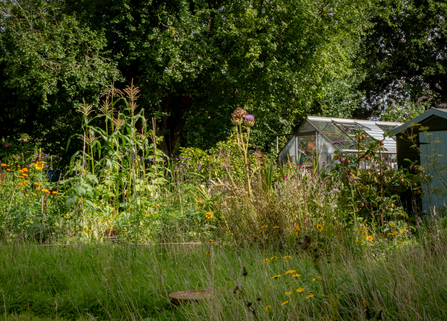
[[325, 151], [333, 133], [307, 146], [306, 127]]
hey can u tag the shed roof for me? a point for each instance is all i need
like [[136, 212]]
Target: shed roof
[[440, 112]]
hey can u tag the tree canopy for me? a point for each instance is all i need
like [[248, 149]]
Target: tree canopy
[[405, 54], [195, 61]]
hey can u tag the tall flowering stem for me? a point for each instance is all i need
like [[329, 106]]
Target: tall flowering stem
[[242, 120]]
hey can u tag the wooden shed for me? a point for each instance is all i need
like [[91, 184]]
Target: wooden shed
[[423, 140]]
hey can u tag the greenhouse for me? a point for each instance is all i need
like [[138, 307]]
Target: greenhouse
[[313, 145]]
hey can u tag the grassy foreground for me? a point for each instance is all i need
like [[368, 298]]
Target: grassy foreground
[[120, 282]]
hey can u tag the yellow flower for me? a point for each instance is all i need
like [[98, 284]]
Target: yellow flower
[[149, 212], [365, 303], [268, 307], [276, 226], [370, 238], [320, 227], [208, 253], [296, 275], [276, 276], [210, 241], [274, 258], [392, 224], [358, 241], [36, 183], [264, 226], [38, 166], [403, 230], [309, 296], [299, 290], [284, 303], [209, 215], [288, 293], [266, 261], [287, 257], [290, 271], [318, 277]]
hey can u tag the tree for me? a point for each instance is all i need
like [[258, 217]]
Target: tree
[[405, 54], [49, 64], [278, 59]]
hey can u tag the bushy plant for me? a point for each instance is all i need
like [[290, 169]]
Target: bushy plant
[[370, 187]]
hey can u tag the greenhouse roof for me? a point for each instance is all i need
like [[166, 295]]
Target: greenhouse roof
[[339, 129]]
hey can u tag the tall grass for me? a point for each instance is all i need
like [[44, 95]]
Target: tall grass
[[116, 282]]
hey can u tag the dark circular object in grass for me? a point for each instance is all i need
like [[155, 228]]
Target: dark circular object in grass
[[195, 295]]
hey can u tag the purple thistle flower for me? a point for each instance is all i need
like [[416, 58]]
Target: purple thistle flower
[[336, 142], [6, 144], [342, 142]]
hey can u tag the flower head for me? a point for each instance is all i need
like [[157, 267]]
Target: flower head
[[266, 260], [309, 296], [284, 303], [249, 120], [237, 117], [6, 145], [276, 276], [299, 290], [268, 307], [209, 215], [370, 238], [38, 166], [320, 227], [290, 271]]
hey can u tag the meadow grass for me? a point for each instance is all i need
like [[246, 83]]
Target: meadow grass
[[124, 282]]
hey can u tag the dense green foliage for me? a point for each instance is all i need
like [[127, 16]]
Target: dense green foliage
[[404, 55], [279, 59], [49, 63]]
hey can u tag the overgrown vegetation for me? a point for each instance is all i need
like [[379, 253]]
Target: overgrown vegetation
[[98, 238]]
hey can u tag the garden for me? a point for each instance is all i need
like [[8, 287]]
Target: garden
[[121, 228]]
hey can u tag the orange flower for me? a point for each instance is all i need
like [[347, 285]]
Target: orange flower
[[26, 175], [27, 181], [4, 165], [34, 194], [19, 184], [22, 189], [8, 169], [37, 188], [19, 170], [21, 177], [36, 183], [26, 194], [54, 192], [18, 165], [44, 190], [24, 170]]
